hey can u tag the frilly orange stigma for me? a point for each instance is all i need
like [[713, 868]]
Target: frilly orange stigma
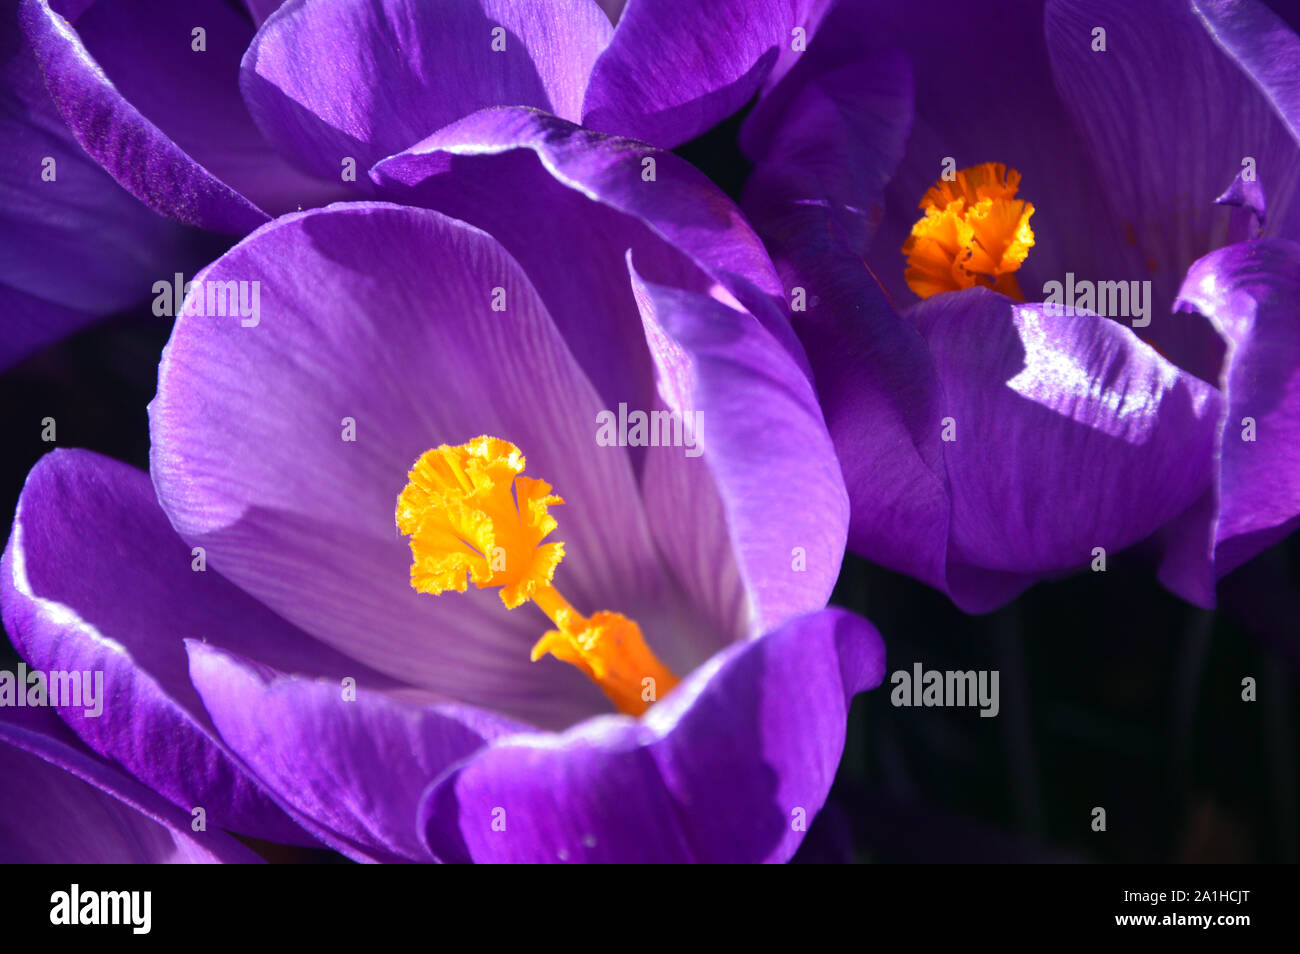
[[471, 515], [974, 232]]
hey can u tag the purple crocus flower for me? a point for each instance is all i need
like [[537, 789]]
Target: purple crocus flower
[[221, 118], [266, 656], [990, 434]]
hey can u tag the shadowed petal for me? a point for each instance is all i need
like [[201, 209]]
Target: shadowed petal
[[259, 10], [826, 140], [147, 49], [62, 804], [118, 135], [52, 197], [31, 324], [883, 400], [674, 69], [1129, 103], [398, 70]]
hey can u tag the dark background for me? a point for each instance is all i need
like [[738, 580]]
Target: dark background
[[1113, 692]]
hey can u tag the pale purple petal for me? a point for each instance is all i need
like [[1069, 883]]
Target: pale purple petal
[[764, 444], [568, 204]]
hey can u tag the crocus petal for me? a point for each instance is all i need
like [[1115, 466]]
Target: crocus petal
[[724, 769], [46, 222], [665, 210], [674, 69], [1264, 46], [827, 139], [135, 151], [95, 580], [1045, 417], [690, 527], [380, 317], [1251, 293], [1067, 434], [357, 764], [61, 804], [199, 107], [52, 195], [1129, 103], [398, 70], [810, 15], [771, 460]]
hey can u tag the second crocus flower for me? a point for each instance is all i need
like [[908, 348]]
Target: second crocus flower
[[992, 436]]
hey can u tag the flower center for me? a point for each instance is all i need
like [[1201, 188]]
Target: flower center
[[472, 515], [974, 232]]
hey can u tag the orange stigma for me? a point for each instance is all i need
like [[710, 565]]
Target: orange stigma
[[974, 232], [472, 515]]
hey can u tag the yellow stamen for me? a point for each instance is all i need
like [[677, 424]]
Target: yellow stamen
[[471, 515], [974, 232]]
